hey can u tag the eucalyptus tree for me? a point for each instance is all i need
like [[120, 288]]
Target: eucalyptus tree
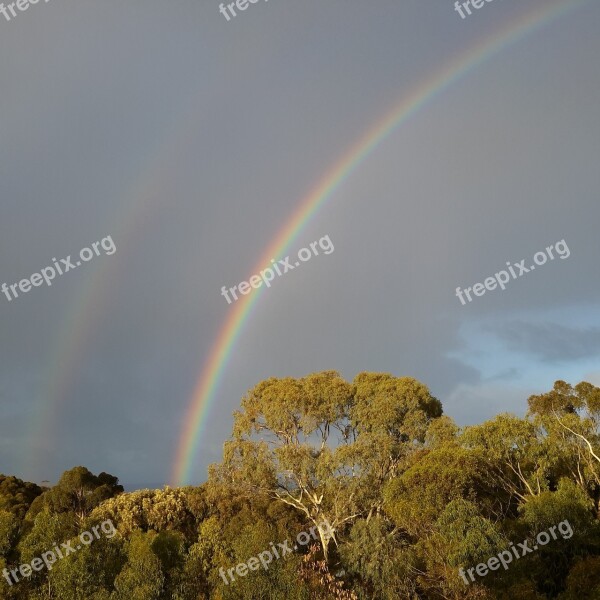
[[324, 446]]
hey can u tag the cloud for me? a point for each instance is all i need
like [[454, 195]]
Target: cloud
[[551, 342], [473, 404]]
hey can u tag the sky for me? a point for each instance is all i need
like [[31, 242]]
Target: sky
[[191, 140]]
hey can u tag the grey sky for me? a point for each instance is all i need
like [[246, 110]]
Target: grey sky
[[191, 140]]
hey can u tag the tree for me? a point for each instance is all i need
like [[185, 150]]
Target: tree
[[461, 538], [48, 531], [514, 455], [571, 506], [142, 577], [583, 580], [410, 498], [89, 574], [570, 418], [17, 495], [80, 491], [324, 446], [159, 510], [9, 529], [415, 499], [379, 560]]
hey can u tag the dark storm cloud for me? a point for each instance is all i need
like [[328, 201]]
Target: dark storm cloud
[[551, 342]]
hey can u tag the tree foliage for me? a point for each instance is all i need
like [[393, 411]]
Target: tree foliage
[[401, 498]]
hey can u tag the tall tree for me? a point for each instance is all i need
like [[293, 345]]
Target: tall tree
[[514, 455], [325, 446], [80, 491], [570, 419]]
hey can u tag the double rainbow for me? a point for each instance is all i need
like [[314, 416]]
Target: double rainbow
[[144, 203]]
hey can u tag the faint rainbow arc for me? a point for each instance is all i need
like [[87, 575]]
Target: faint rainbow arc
[[206, 387], [89, 305]]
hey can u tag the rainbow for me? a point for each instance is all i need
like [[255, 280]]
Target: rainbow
[[205, 392], [144, 199]]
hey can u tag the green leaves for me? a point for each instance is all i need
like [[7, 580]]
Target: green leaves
[[80, 491], [16, 495], [324, 446], [142, 577], [410, 499]]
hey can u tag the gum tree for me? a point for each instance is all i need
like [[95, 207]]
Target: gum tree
[[569, 416], [514, 454], [325, 446], [79, 491]]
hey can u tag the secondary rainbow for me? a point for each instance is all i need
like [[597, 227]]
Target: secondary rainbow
[[143, 203], [207, 386]]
